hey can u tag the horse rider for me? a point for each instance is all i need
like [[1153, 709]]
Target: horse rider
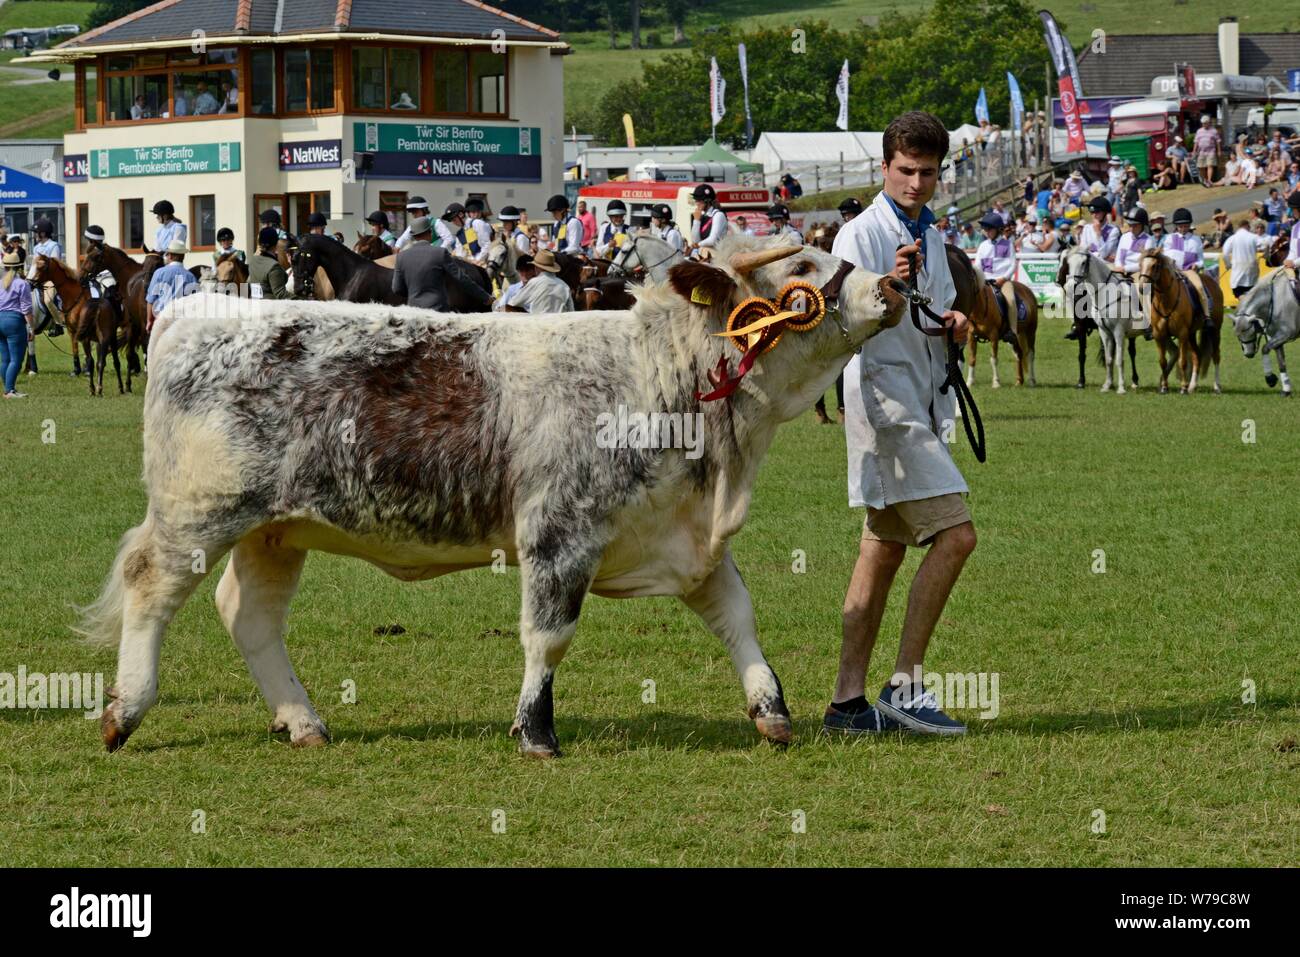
[[226, 246], [475, 233], [418, 206], [168, 282], [614, 232], [1185, 249], [1100, 237], [663, 227], [169, 227], [566, 230], [709, 224], [448, 226], [266, 277], [420, 274], [779, 215], [271, 217], [103, 284], [377, 222], [850, 207], [1293, 251], [1128, 254], [48, 247], [996, 256], [316, 224], [509, 217]]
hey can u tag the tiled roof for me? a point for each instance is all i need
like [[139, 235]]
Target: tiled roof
[[1131, 62]]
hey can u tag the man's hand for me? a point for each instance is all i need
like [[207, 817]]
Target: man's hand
[[957, 322], [902, 264]]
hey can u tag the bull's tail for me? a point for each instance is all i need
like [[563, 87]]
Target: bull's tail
[[101, 620]]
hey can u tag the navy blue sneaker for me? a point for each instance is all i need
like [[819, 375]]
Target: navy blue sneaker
[[916, 710], [869, 721]]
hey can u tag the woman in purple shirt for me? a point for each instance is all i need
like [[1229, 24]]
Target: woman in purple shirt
[[15, 321]]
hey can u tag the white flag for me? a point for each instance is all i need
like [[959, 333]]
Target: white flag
[[842, 91], [717, 93]]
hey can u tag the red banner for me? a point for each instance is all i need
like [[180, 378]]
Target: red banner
[[1070, 108]]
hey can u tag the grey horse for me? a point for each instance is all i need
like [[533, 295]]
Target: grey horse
[[1093, 291], [1269, 312], [650, 253]]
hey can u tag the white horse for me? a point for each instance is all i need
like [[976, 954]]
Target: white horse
[[502, 258], [1112, 304], [650, 254], [1268, 313]]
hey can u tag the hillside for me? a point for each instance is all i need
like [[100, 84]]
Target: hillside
[[594, 67], [31, 106]]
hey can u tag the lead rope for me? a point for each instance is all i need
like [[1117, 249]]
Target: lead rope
[[966, 402]]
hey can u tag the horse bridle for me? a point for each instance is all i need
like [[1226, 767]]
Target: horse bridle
[[919, 303], [623, 253], [308, 290], [1178, 285]]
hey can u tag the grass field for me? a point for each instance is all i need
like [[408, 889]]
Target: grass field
[[1119, 692], [36, 110]]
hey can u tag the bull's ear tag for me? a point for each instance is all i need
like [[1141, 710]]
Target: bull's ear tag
[[701, 296]]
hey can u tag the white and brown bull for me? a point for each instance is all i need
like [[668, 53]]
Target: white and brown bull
[[423, 442]]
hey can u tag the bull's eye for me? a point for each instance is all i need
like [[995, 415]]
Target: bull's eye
[[801, 268]]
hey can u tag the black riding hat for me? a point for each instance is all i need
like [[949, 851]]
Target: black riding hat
[[1136, 215], [163, 208], [1182, 215], [508, 213], [992, 220], [473, 205], [662, 211], [779, 211], [316, 219], [704, 193], [1099, 204], [270, 216], [378, 218], [225, 232], [269, 236], [1293, 200], [851, 205], [94, 233], [556, 203], [616, 206], [43, 227], [453, 209]]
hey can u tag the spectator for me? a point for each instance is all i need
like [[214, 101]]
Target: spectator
[[1177, 157], [1114, 182], [793, 189], [1222, 228], [1240, 251], [16, 321], [1260, 229], [1274, 169], [1275, 207], [138, 109], [1206, 147], [1074, 186], [204, 102], [1248, 173], [1157, 230], [1291, 179], [545, 293], [1029, 192], [968, 239], [1131, 192], [1164, 177], [742, 225], [525, 269], [181, 103], [588, 220], [229, 97], [168, 282]]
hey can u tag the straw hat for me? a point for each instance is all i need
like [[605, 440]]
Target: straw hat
[[545, 261], [177, 247], [11, 259]]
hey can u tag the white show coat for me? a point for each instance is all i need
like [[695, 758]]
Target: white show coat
[[893, 409]]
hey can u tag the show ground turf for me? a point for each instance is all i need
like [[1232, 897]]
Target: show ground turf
[[1120, 692]]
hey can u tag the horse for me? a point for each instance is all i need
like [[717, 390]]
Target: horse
[[823, 237], [1269, 315], [645, 255], [356, 279], [371, 247], [1173, 315], [1110, 304], [607, 292], [88, 318], [987, 323], [502, 259], [132, 280]]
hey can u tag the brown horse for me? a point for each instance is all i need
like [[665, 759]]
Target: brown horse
[[1174, 315], [987, 324], [88, 319], [823, 237], [132, 280], [372, 247], [609, 292]]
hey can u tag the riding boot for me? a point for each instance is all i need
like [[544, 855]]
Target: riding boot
[[1073, 333], [54, 331], [1146, 334]]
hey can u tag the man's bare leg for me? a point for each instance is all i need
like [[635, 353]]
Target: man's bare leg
[[864, 607], [929, 594]]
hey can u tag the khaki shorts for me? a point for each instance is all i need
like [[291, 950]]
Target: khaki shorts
[[916, 522]]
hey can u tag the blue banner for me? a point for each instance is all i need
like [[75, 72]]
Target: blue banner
[[76, 168], [20, 188], [1293, 80], [311, 154], [1017, 103], [982, 108], [518, 169]]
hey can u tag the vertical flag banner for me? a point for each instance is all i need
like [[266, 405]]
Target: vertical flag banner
[[1067, 81], [982, 108], [1017, 102], [842, 91], [717, 95], [631, 133], [744, 82]]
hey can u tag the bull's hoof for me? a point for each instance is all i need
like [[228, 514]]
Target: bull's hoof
[[775, 727], [547, 747], [111, 730], [314, 739], [1286, 394], [540, 751], [1079, 384], [1270, 380]]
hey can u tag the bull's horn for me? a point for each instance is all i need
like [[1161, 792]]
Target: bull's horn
[[745, 263]]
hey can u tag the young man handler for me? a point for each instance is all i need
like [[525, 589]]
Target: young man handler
[[899, 467]]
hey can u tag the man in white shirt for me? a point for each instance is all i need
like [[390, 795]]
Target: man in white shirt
[[546, 293], [566, 229], [1242, 256], [709, 224], [899, 466], [138, 109], [204, 102]]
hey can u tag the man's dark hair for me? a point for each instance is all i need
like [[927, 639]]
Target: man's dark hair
[[918, 133]]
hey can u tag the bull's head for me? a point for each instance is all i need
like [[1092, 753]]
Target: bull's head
[[796, 357]]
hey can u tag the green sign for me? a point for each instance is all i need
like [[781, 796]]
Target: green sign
[[165, 160], [457, 139], [1038, 272]]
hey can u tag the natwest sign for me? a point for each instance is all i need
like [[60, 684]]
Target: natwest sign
[[311, 154]]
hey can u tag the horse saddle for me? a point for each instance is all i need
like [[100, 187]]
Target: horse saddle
[[1008, 330], [1200, 304]]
